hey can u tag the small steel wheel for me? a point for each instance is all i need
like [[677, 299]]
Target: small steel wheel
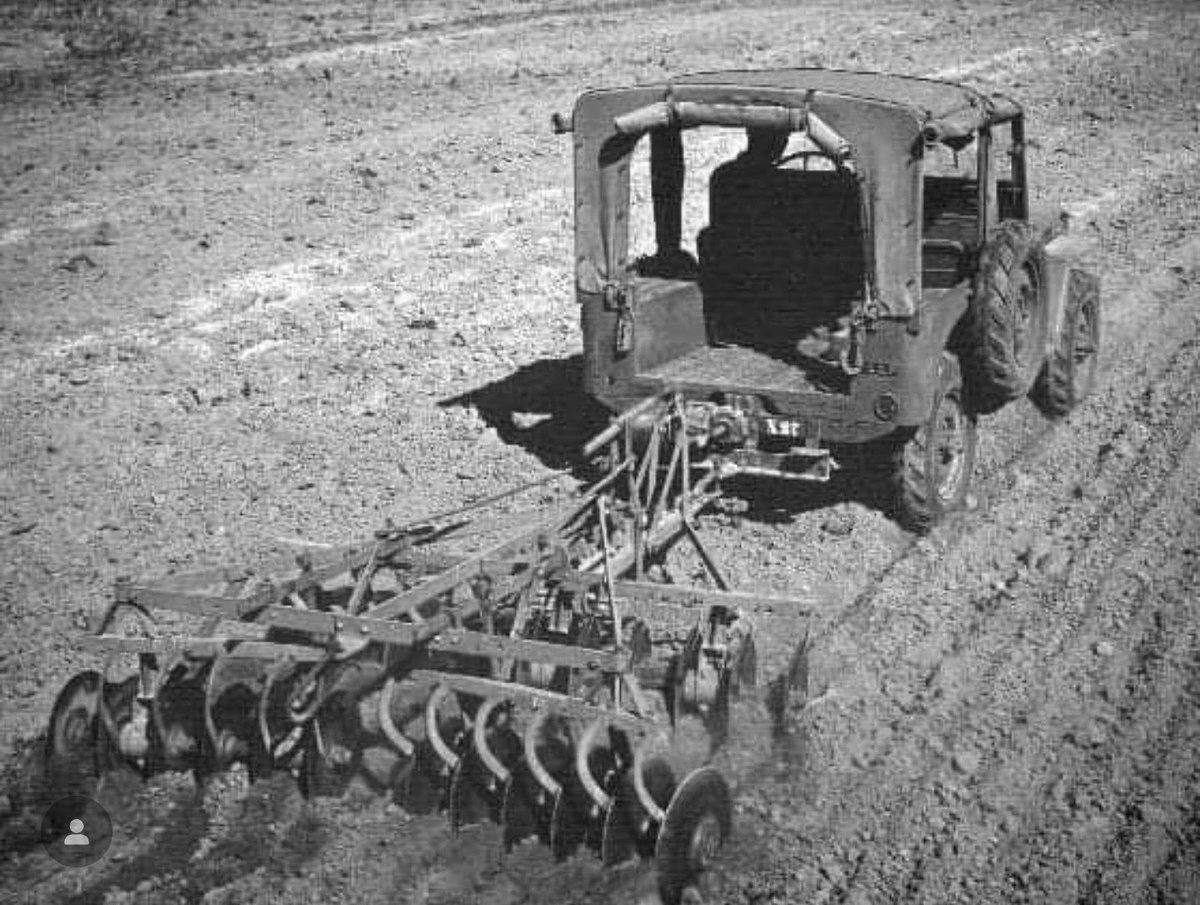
[[697, 823], [72, 738]]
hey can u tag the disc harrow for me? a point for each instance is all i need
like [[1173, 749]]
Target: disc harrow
[[538, 683]]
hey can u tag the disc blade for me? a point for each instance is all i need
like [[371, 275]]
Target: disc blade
[[121, 742], [232, 702], [518, 813], [327, 764], [71, 738], [425, 787], [177, 713], [568, 824], [617, 840], [658, 780], [468, 805], [698, 820]]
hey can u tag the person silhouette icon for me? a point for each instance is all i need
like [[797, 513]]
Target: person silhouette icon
[[82, 847], [76, 837]]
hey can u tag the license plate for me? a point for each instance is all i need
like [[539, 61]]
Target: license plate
[[783, 427]]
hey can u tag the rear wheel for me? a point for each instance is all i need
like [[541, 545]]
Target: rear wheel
[[71, 742], [1069, 373], [932, 466], [1002, 342]]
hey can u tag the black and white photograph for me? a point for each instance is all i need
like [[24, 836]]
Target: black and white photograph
[[629, 452]]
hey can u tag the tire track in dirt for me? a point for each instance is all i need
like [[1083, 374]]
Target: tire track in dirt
[[475, 25], [1151, 852], [872, 617], [1081, 612]]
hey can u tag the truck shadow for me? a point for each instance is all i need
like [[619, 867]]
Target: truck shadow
[[541, 408]]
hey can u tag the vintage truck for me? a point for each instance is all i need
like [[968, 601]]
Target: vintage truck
[[864, 283]]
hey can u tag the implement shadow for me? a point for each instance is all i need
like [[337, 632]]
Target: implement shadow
[[862, 477], [240, 851]]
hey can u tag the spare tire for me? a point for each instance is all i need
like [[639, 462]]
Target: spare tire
[[1001, 347]]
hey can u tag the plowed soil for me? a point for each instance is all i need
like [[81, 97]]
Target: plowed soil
[[272, 273]]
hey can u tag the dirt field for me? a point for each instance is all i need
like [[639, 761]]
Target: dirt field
[[273, 272]]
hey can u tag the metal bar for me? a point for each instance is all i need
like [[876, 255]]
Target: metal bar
[[620, 563], [701, 597], [204, 647], [631, 494], [665, 531], [614, 429], [274, 590], [651, 485], [113, 644], [319, 574], [753, 116], [482, 503], [676, 454], [605, 482], [658, 115], [500, 571], [644, 467], [354, 604], [466, 641], [602, 513], [709, 562], [685, 478], [198, 604], [827, 139], [448, 580], [365, 627], [605, 547], [394, 551], [537, 699], [272, 650]]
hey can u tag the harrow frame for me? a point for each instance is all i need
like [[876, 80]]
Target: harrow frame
[[539, 682]]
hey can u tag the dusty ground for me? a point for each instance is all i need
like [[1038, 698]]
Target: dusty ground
[[253, 257]]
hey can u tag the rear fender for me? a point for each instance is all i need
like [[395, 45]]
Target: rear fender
[[1063, 255]]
